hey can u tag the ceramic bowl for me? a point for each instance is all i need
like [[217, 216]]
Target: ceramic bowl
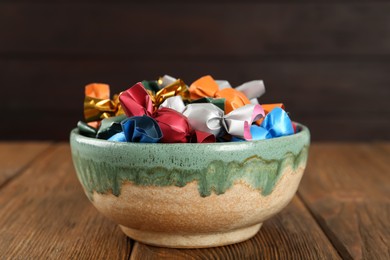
[[190, 195]]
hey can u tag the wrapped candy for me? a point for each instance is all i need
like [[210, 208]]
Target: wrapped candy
[[167, 111], [110, 126], [86, 129], [209, 118], [97, 103], [143, 129], [136, 101], [207, 87], [165, 81], [277, 123], [176, 88], [174, 126]]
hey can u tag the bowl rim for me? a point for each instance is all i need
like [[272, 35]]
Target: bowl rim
[[303, 130]]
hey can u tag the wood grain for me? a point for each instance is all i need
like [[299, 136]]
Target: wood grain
[[233, 29], [383, 149], [16, 156], [44, 214], [306, 87], [347, 189], [292, 234]]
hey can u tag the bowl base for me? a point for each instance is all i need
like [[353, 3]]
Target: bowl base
[[192, 240]]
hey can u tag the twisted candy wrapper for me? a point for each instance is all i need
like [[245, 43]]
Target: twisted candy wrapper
[[150, 86], [235, 98], [202, 137], [275, 124], [219, 102], [165, 80], [110, 126], [207, 87], [140, 129], [174, 126], [156, 85], [177, 103], [157, 113], [136, 101], [211, 119], [86, 129], [97, 103], [252, 89], [145, 102], [176, 88], [269, 107]]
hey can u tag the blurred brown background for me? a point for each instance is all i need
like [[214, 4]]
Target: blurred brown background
[[328, 61]]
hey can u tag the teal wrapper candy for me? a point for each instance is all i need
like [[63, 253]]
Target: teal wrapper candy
[[219, 102], [235, 139], [110, 126], [85, 129], [151, 85]]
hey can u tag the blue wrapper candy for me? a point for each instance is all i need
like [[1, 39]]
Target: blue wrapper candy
[[118, 137], [236, 139], [275, 124], [259, 133], [141, 129]]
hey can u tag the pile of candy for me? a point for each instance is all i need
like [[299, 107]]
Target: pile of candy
[[168, 111]]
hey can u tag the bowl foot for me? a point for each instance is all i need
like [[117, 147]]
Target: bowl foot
[[192, 240]]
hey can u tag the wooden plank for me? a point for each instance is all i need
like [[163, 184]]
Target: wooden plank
[[16, 156], [344, 128], [384, 148], [346, 187], [169, 29], [382, 155], [45, 214], [348, 96], [292, 234]]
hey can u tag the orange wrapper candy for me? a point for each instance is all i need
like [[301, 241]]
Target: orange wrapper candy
[[207, 87]]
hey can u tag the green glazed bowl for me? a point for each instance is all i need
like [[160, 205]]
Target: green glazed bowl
[[190, 195]]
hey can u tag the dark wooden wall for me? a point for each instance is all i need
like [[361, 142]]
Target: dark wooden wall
[[328, 61]]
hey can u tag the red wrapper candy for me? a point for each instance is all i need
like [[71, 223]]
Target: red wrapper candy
[[174, 126], [136, 101]]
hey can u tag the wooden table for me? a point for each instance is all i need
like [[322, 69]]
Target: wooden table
[[342, 210]]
